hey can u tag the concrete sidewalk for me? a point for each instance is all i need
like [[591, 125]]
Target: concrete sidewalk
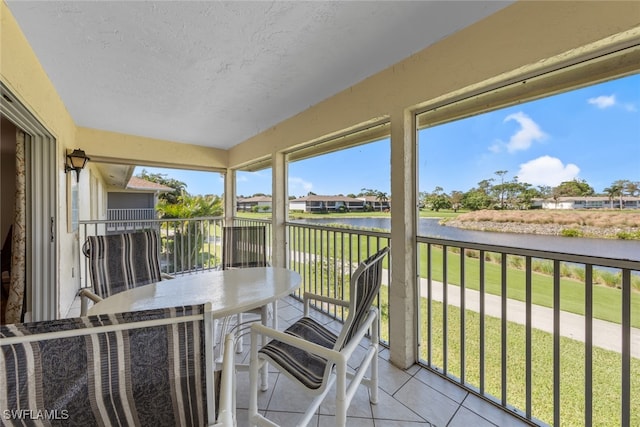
[[606, 335]]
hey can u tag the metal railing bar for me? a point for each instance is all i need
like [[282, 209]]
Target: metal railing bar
[[482, 322], [445, 311], [535, 253], [463, 309], [528, 336], [626, 348], [503, 328], [588, 346], [556, 342]]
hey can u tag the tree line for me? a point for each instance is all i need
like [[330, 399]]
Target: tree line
[[179, 203], [500, 193]]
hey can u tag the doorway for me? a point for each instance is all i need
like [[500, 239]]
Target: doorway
[[38, 232]]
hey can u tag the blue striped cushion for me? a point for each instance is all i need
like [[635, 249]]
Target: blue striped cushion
[[307, 368], [142, 376], [118, 262]]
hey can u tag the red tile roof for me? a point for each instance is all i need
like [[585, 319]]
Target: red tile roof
[[136, 183]]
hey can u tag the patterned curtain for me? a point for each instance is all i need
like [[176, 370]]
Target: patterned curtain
[[18, 248]]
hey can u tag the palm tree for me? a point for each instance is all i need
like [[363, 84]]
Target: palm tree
[[188, 233], [382, 197], [615, 190]]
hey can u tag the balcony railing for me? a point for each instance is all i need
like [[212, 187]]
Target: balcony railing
[[326, 257], [531, 331], [126, 220], [188, 245]]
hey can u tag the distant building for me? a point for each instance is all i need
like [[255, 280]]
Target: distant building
[[137, 201], [587, 202], [247, 204], [317, 203], [376, 203]]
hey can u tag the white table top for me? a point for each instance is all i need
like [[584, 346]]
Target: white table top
[[228, 291]]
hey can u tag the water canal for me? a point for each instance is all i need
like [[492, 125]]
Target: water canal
[[430, 227]]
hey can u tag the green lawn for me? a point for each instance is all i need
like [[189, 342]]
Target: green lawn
[[607, 372], [607, 300]]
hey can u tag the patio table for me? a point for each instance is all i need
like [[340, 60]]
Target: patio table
[[229, 291]]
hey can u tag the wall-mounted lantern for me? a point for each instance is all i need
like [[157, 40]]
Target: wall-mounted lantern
[[76, 161]]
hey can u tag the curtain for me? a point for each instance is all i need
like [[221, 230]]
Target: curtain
[[15, 302]]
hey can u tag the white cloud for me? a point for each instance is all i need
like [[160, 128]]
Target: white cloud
[[528, 133], [299, 186], [603, 101], [547, 170]]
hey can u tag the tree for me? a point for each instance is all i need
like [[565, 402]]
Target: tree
[[382, 197], [367, 192], [632, 188], [573, 188], [170, 197], [478, 198], [456, 198], [616, 189], [500, 189], [438, 200], [187, 241]]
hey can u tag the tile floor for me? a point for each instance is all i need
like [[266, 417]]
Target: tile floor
[[411, 397]]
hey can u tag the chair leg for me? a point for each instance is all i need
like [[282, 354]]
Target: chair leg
[[239, 341], [373, 385], [264, 383], [84, 305], [341, 395], [253, 380]]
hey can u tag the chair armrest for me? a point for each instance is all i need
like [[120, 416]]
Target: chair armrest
[[85, 292], [308, 296], [327, 353], [361, 332], [226, 410]]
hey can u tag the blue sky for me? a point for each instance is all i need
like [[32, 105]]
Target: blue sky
[[591, 133]]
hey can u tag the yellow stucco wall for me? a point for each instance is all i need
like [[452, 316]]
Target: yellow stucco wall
[[24, 77], [525, 34], [128, 149]]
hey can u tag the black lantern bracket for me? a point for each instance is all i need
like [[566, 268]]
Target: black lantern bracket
[[76, 161]]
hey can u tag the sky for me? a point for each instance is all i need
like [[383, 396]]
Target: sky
[[590, 134]]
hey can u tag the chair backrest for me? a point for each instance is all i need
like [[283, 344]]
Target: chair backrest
[[364, 287], [118, 262], [244, 246], [147, 367]]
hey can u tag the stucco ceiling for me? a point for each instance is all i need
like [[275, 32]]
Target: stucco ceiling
[[216, 73]]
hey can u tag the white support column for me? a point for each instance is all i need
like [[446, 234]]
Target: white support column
[[229, 196], [402, 291], [279, 210]]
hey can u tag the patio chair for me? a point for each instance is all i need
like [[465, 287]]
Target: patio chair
[[315, 358], [152, 367], [243, 247], [118, 262]]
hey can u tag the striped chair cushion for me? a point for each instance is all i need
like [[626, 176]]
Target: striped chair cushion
[[362, 294], [118, 262], [141, 376], [244, 246], [307, 368], [310, 369]]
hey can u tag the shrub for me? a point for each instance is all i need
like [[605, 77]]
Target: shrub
[[628, 235], [571, 232]]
